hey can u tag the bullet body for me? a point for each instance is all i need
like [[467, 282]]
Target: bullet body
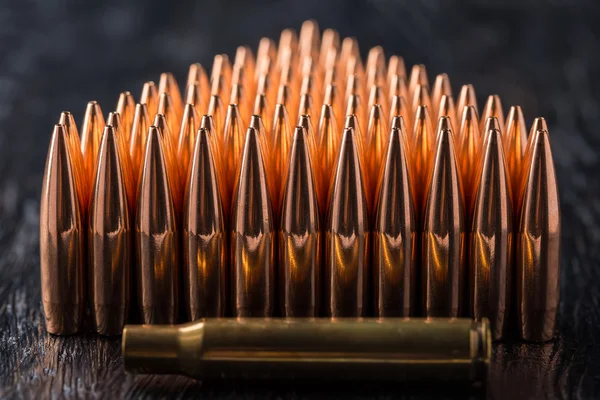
[[62, 238], [538, 243], [394, 234], [453, 351], [110, 240], [204, 236]]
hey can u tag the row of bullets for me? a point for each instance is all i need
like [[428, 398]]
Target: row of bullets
[[189, 207]]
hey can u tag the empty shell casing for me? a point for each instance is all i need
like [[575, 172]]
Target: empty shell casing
[[406, 350]]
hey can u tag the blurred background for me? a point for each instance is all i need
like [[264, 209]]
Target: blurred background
[[56, 55]]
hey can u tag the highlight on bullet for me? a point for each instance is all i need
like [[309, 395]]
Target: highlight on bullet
[[62, 240], [299, 235]]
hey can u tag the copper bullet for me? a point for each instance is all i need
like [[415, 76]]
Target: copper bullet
[[376, 96], [126, 109], [375, 151], [329, 41], [62, 238], [491, 239], [347, 236], [421, 98], [137, 144], [397, 87], [515, 141], [281, 142], [395, 67], [114, 120], [187, 138], [418, 76], [376, 68], [304, 105], [261, 108], [237, 96], [441, 87], [422, 148], [311, 137], [157, 242], [215, 110], [110, 240], [267, 157], [493, 108], [399, 108], [265, 54], [167, 108], [538, 243], [233, 146], [149, 97], [82, 185], [169, 151], [329, 145], [309, 38], [245, 59], [443, 240], [299, 235], [204, 236], [91, 135], [197, 74], [446, 108], [167, 84], [252, 236], [466, 97], [206, 122], [395, 233], [194, 95], [468, 149]]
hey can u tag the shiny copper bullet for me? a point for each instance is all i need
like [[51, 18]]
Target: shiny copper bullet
[[395, 67], [137, 144], [417, 351], [233, 146], [421, 98], [466, 97], [538, 243], [215, 110], [169, 151], [493, 108], [62, 239], [173, 117], [377, 137], [110, 239], [204, 236], [329, 145], [446, 108], [422, 148], [197, 74], [347, 236], [515, 141], [167, 84], [114, 120], [252, 236], [399, 108], [82, 185], [491, 239], [418, 76], [468, 149], [441, 87], [126, 109], [91, 135], [187, 138], [194, 96], [443, 239], [149, 97], [300, 235], [395, 233], [156, 238], [281, 142]]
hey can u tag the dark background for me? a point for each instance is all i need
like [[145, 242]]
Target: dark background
[[57, 55]]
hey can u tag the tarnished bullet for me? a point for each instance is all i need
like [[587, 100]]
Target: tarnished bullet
[[329, 145], [157, 241], [204, 236], [347, 236], [110, 239], [82, 185], [422, 148], [252, 236], [468, 149], [149, 97], [418, 351], [491, 239], [395, 233], [466, 97], [62, 240], [126, 109], [137, 144], [493, 108], [538, 243], [515, 141], [167, 84], [187, 139], [443, 240], [91, 135], [299, 235]]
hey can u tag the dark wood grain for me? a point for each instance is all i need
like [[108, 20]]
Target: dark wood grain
[[58, 55]]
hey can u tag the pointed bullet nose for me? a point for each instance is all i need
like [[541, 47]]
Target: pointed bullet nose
[[538, 243], [204, 236], [347, 236], [187, 137], [491, 238], [468, 149], [329, 145], [137, 144], [215, 110], [446, 108], [466, 97], [167, 84], [233, 145], [169, 148], [110, 239], [126, 109], [376, 146], [157, 258], [299, 235], [493, 108], [281, 141], [82, 184], [194, 95], [253, 235], [441, 87], [197, 74], [422, 145], [515, 141], [149, 97], [62, 238], [399, 108], [443, 241], [394, 234], [173, 118], [91, 135]]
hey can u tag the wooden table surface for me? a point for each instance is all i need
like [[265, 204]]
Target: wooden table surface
[[58, 55]]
